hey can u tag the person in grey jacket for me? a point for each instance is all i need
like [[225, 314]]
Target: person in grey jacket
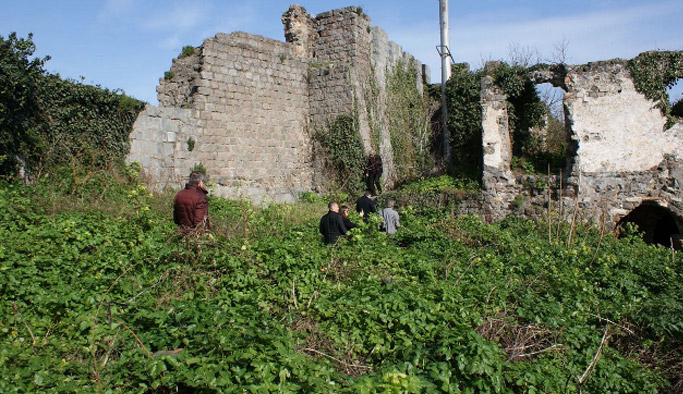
[[389, 218]]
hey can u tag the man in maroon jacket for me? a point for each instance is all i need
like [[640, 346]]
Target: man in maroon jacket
[[191, 207]]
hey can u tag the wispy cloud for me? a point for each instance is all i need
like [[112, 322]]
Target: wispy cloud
[[592, 36], [181, 16], [115, 9], [598, 34]]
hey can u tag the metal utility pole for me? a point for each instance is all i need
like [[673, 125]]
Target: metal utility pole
[[446, 57]]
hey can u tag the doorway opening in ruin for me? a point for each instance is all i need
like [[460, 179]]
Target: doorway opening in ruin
[[656, 224], [675, 92], [549, 141]]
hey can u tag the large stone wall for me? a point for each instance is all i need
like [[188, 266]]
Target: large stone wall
[[250, 104]]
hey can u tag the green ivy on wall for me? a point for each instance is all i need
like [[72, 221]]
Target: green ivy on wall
[[653, 72], [47, 122], [463, 92], [371, 96], [408, 116], [343, 150]]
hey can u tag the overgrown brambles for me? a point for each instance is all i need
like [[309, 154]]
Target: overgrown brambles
[[104, 295]]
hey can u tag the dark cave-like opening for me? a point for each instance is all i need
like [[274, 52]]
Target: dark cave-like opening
[[657, 224]]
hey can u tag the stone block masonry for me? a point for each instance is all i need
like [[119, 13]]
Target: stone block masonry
[[250, 104]]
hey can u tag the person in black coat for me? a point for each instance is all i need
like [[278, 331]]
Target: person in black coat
[[373, 171], [365, 206], [332, 225]]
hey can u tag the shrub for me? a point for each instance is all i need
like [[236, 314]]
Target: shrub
[[188, 50]]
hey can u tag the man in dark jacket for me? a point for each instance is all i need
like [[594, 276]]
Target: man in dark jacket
[[332, 225], [373, 171], [365, 206], [190, 206]]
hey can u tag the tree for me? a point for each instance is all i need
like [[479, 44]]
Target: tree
[[19, 77]]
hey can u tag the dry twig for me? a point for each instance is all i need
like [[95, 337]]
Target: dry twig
[[135, 336], [16, 309], [308, 349], [594, 361]]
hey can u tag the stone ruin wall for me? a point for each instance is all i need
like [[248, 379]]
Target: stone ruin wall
[[250, 104], [622, 155]]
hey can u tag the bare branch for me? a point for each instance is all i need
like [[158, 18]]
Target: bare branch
[[595, 359], [16, 309]]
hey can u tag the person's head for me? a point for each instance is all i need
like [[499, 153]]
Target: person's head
[[197, 178], [344, 211], [333, 206], [368, 193], [391, 203], [372, 152]]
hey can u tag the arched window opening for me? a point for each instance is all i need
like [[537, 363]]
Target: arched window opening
[[657, 224]]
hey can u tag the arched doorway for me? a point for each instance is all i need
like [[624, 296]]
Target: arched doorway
[[657, 224]]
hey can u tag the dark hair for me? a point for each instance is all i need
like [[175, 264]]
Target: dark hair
[[343, 209], [196, 177], [368, 193]]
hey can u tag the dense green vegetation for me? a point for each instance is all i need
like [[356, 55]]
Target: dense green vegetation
[[99, 293], [47, 122]]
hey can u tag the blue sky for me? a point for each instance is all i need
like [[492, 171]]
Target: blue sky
[[128, 44]]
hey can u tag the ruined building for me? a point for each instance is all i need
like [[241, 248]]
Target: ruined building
[[245, 106], [626, 164]]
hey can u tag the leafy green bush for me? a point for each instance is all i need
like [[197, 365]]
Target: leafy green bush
[[677, 108], [47, 122], [102, 294], [463, 92], [655, 71]]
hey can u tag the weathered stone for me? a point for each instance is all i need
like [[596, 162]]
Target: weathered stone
[[257, 99]]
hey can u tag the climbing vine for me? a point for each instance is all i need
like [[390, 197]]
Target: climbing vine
[[653, 72], [463, 92], [343, 151], [525, 108], [371, 97], [408, 114]]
